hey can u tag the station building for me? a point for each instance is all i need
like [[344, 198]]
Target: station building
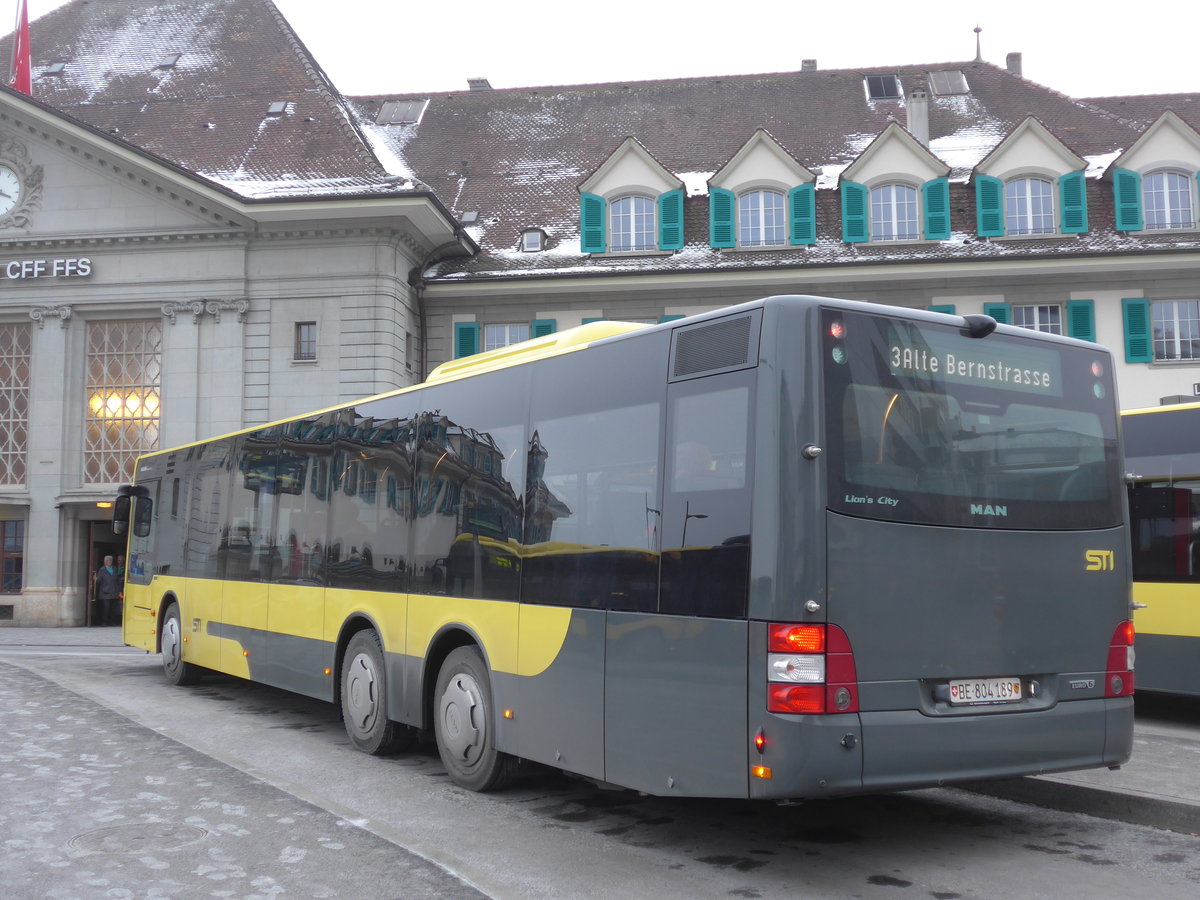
[[199, 233]]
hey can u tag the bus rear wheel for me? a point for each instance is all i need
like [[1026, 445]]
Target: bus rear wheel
[[176, 670], [364, 699], [464, 724]]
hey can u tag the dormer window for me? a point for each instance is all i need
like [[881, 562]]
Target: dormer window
[[894, 213], [1029, 206], [277, 108], [631, 204], [1167, 200], [631, 224], [762, 219], [532, 240]]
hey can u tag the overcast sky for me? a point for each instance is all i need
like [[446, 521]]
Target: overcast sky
[[388, 46]]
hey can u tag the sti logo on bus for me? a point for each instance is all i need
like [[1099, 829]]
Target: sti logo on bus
[[987, 509], [1100, 560]]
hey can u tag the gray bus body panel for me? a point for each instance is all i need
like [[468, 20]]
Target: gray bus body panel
[[675, 697]]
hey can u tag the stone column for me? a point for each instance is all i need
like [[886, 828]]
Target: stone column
[[51, 392]]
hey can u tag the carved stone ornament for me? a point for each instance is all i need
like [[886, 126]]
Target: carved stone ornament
[[213, 307], [39, 314], [15, 161]]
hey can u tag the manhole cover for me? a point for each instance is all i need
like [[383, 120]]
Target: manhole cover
[[137, 838]]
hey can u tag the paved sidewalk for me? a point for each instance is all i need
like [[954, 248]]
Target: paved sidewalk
[[1159, 787], [98, 807]]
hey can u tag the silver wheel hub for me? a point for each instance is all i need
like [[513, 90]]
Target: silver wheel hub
[[362, 693], [172, 643], [461, 714]]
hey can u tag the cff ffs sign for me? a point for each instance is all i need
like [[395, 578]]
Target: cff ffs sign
[[21, 269]]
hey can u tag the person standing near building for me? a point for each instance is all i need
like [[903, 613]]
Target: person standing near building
[[107, 595]]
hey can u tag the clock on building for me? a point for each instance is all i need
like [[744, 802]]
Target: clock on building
[[10, 189]]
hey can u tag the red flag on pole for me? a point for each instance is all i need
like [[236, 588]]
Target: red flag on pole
[[20, 73]]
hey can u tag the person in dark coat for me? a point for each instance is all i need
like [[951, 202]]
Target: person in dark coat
[[109, 586]]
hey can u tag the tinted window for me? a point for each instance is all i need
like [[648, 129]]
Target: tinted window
[[468, 478], [208, 501], [928, 425], [706, 512], [594, 483]]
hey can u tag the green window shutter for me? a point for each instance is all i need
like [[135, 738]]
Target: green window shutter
[[1081, 319], [672, 317], [942, 308], [1127, 197], [670, 220], [989, 206], [592, 210], [1001, 312], [936, 197], [595, 319], [1072, 195], [854, 213], [1138, 348], [466, 339], [802, 202], [542, 327], [721, 207]]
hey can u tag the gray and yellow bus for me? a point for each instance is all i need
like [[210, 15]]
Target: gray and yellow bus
[[1162, 450], [795, 548]]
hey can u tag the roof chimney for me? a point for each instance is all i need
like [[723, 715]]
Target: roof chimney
[[918, 116], [1013, 62], [808, 65]]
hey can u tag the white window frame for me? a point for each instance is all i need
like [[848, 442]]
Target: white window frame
[[761, 224], [532, 240], [1046, 317], [632, 224], [1165, 205], [504, 335], [1176, 329], [892, 215], [1027, 212]]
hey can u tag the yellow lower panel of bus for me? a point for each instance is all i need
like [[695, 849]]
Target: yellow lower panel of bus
[[541, 629], [1172, 609]]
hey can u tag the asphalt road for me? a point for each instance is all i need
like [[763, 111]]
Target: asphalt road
[[118, 785]]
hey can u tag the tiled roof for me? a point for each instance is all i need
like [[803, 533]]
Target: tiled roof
[[1146, 108], [209, 111], [518, 156]]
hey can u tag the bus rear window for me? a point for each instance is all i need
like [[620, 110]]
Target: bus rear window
[[930, 426]]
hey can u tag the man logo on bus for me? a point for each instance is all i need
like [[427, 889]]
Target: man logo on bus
[[987, 509], [1100, 560]]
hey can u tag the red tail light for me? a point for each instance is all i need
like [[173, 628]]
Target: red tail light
[[1118, 676], [810, 669]]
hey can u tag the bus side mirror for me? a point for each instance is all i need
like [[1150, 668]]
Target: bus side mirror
[[120, 518], [143, 510]]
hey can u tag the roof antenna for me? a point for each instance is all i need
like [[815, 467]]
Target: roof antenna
[[978, 48]]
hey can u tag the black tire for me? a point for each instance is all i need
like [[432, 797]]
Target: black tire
[[176, 670], [464, 724], [364, 699]]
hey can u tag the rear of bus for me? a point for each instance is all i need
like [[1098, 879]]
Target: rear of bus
[[951, 573]]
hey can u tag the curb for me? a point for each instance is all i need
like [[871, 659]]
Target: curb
[[1132, 807]]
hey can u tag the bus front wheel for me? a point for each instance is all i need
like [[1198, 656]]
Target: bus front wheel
[[176, 670], [364, 699], [464, 724]]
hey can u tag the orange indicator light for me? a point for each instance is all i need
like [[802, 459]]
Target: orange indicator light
[[328, 672], [509, 714], [760, 771], [185, 640], [245, 653]]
